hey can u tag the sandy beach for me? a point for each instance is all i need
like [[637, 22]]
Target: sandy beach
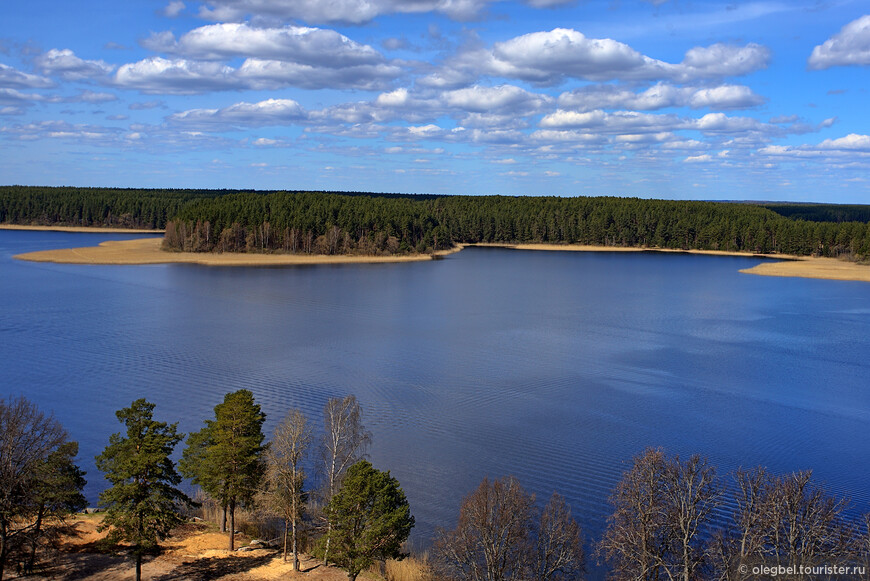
[[786, 265], [147, 251], [810, 267]]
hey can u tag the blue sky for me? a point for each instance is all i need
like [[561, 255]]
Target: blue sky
[[676, 99]]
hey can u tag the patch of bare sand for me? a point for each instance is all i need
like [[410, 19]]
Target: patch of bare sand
[[593, 248], [194, 552], [148, 251], [826, 268], [788, 265]]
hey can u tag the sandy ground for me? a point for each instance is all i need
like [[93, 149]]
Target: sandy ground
[[827, 268], [78, 229], [793, 266], [193, 553], [147, 251]]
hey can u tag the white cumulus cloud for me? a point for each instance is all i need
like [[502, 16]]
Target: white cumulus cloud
[[488, 99], [65, 64], [312, 46], [548, 58], [12, 78], [660, 96], [852, 141], [156, 75], [173, 9], [338, 11], [850, 46], [241, 115]]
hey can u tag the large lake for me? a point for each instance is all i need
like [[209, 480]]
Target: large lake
[[556, 367]]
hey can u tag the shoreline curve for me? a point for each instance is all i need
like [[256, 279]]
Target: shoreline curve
[[148, 251], [786, 265]]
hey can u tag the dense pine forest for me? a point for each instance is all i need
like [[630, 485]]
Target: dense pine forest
[[342, 223]]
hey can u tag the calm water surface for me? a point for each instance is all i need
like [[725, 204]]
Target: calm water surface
[[555, 367]]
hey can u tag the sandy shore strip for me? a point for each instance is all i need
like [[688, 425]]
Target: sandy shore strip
[[96, 230], [147, 251], [591, 248], [787, 265], [810, 267]]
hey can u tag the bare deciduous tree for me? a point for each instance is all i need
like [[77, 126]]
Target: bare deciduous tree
[[807, 528], [744, 538], [783, 521], [28, 438], [559, 544], [285, 477], [661, 506], [501, 536], [691, 496], [634, 538], [345, 441], [862, 546], [491, 542]]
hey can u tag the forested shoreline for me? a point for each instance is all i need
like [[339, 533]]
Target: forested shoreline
[[378, 224]]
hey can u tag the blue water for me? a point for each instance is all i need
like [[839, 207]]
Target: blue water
[[555, 367]]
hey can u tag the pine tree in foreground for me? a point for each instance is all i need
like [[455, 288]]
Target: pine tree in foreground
[[143, 504], [370, 519], [226, 456]]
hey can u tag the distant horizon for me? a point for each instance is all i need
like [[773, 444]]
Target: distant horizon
[[708, 100], [437, 194]]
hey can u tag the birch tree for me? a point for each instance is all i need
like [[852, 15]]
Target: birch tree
[[345, 442], [661, 508], [285, 476]]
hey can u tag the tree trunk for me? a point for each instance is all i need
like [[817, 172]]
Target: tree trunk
[[326, 550], [224, 519], [285, 541], [138, 567], [4, 548], [295, 551], [232, 530], [37, 529]]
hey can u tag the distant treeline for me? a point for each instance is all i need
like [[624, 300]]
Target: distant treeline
[[108, 207], [822, 212], [338, 224], [93, 207], [356, 222]]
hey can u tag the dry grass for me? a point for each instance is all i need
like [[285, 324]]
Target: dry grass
[[791, 266], [148, 251], [409, 569], [827, 268], [194, 552]]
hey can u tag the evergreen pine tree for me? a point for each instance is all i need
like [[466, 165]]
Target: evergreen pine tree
[[143, 504], [370, 519], [226, 456]]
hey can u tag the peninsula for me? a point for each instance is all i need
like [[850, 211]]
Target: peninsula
[[149, 251], [244, 228]]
